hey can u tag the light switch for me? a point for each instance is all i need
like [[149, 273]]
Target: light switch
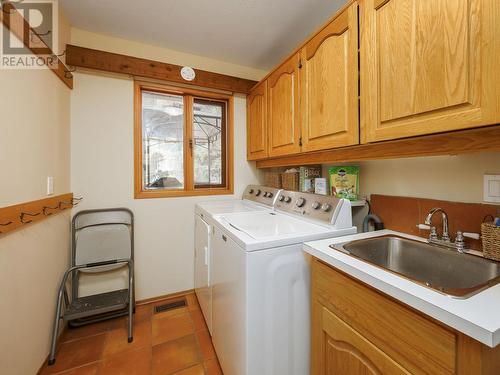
[[491, 188], [50, 185]]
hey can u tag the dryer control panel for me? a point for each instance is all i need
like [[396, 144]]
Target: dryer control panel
[[313, 206], [261, 194]]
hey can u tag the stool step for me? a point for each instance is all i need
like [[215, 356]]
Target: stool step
[[97, 304]]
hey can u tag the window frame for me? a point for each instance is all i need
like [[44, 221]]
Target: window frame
[[189, 188]]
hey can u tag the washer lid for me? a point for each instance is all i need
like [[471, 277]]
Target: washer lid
[[262, 225]]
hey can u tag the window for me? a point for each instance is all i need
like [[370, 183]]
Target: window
[[183, 142]]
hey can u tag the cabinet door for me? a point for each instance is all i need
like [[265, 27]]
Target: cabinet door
[[283, 104], [345, 351], [257, 123], [329, 85], [427, 66]]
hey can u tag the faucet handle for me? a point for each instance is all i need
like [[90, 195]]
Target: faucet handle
[[474, 236], [433, 235], [433, 232]]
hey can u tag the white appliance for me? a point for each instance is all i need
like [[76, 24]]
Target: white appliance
[[255, 198], [260, 282]]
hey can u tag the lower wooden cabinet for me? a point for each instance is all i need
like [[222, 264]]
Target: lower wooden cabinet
[[346, 351], [358, 330]]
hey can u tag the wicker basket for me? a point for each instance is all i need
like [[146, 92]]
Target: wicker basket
[[290, 181], [491, 241], [272, 179]]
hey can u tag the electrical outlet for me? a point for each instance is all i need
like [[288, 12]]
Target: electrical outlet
[[491, 188], [50, 185]]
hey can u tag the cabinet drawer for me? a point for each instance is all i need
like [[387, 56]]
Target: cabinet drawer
[[418, 344]]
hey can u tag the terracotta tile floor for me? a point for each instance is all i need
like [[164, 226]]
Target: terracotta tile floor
[[172, 342]]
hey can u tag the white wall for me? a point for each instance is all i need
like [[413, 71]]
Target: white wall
[[102, 164], [456, 178], [34, 144]]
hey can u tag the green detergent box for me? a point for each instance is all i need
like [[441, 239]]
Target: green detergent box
[[344, 182]]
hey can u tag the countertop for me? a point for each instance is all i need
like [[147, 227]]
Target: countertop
[[477, 316]]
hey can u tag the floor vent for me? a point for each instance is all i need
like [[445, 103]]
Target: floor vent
[[170, 306]]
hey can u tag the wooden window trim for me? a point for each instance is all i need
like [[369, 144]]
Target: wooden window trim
[[189, 188]]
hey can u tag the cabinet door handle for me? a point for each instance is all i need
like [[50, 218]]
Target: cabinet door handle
[[224, 238]]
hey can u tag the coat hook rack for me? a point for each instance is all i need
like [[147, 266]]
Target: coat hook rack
[[17, 216], [23, 214]]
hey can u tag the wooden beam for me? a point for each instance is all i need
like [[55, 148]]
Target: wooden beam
[[452, 143], [19, 216], [15, 23], [138, 67]]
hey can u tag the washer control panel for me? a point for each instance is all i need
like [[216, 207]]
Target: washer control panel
[[313, 206], [261, 194]]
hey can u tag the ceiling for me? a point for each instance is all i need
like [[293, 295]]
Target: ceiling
[[253, 33]]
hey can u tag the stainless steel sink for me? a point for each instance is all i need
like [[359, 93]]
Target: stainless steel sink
[[441, 269]]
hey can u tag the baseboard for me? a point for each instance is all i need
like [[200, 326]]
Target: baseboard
[[163, 297]]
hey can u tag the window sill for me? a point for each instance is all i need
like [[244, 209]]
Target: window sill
[[152, 194]]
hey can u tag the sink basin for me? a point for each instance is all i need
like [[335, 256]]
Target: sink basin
[[444, 270]]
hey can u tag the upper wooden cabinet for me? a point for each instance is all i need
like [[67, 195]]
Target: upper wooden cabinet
[[428, 66], [283, 108], [257, 122], [329, 85]]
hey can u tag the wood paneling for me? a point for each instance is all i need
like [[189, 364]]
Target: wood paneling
[[403, 214], [18, 216], [459, 142], [425, 66], [283, 109], [138, 67], [329, 85], [257, 122], [418, 344], [15, 22]]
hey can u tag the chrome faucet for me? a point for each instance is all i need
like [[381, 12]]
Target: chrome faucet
[[428, 221], [458, 244]]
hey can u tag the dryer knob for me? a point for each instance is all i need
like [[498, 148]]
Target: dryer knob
[[250, 191], [281, 198], [300, 202], [269, 195], [257, 193], [316, 205], [288, 199], [326, 207]]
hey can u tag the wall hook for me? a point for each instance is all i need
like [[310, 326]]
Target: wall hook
[[38, 35], [47, 208], [23, 214], [56, 56], [5, 224], [68, 71], [76, 201]]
